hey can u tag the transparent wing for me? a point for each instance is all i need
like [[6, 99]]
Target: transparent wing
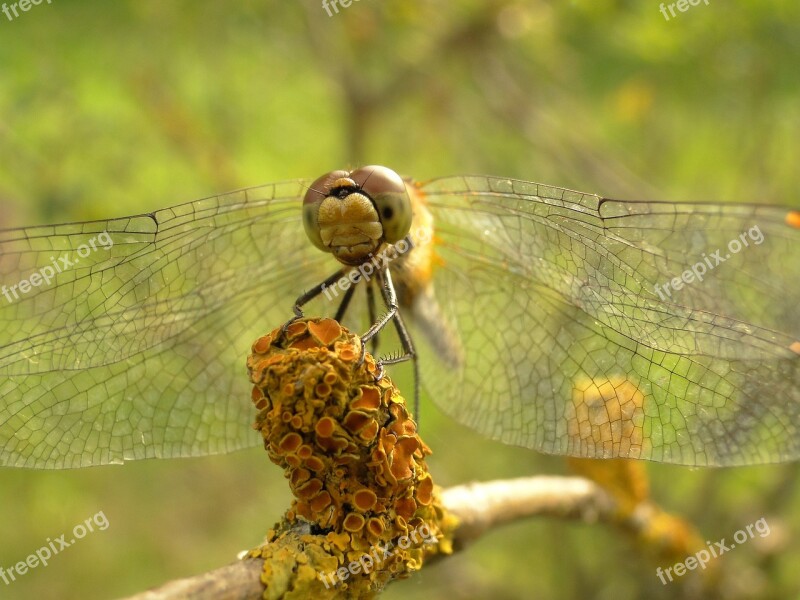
[[127, 338], [570, 347]]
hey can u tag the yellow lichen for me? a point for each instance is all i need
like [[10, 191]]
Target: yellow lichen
[[354, 462]]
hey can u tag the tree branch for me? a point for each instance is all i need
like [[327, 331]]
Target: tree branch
[[479, 507]]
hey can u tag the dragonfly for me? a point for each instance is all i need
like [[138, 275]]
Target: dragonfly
[[543, 317]]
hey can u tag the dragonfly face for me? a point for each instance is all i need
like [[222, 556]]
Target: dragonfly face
[[352, 214], [552, 319]]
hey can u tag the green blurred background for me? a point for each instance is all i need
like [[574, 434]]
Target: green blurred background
[[109, 108]]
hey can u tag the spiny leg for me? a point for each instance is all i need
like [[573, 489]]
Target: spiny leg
[[390, 298], [372, 313], [348, 295], [384, 278], [410, 354], [306, 297]]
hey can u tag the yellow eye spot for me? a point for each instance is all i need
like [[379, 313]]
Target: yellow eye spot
[[793, 219]]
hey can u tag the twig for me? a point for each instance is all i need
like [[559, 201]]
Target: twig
[[480, 507]]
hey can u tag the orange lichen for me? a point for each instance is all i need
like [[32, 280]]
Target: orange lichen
[[355, 421], [320, 502], [307, 490], [353, 522], [424, 493], [364, 500], [606, 419], [325, 427], [262, 344], [315, 463], [369, 399], [375, 527], [325, 331], [351, 453], [299, 476], [323, 389], [369, 432], [405, 507], [290, 442]]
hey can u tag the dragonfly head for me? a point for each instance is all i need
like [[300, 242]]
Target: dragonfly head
[[351, 214]]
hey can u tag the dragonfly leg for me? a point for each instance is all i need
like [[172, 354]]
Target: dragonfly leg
[[313, 293], [410, 354], [390, 298], [348, 295], [372, 314]]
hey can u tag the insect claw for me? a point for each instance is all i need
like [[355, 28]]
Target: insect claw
[[363, 353], [289, 322], [381, 371]]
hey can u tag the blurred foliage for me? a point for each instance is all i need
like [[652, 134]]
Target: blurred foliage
[[114, 108]]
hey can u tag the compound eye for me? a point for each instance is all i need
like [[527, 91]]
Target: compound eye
[[388, 192], [316, 193]]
